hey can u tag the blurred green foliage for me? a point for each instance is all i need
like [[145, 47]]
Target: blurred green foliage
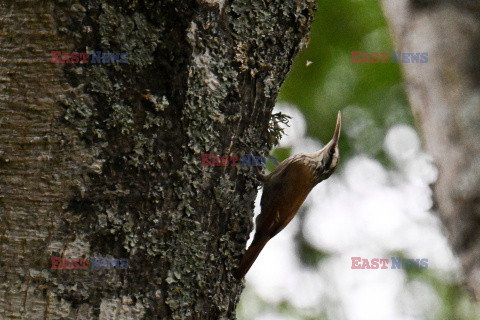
[[323, 78], [371, 96]]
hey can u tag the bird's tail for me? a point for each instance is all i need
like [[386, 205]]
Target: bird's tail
[[250, 256]]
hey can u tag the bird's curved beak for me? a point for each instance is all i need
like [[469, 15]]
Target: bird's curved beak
[[336, 134], [338, 127]]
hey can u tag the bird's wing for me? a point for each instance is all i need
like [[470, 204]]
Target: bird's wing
[[283, 193]]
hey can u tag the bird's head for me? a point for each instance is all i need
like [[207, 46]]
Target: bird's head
[[326, 160]]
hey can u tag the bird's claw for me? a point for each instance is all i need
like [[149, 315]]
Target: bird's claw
[[260, 177]]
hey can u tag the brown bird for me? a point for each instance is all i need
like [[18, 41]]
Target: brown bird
[[284, 191]]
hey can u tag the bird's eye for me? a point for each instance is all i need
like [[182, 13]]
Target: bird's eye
[[331, 151]]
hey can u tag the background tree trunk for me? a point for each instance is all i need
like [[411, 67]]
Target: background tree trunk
[[104, 160], [445, 99]]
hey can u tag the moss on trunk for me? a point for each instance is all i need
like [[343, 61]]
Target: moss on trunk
[[202, 77]]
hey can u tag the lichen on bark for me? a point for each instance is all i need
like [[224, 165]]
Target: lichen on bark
[[202, 77]]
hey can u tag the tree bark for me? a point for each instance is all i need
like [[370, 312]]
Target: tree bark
[[104, 160], [445, 99]]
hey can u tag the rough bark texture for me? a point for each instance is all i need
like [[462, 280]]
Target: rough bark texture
[[103, 160], [445, 98]]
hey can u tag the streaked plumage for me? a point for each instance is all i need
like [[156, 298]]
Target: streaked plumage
[[284, 191]]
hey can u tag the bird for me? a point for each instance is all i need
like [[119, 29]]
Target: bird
[[284, 191]]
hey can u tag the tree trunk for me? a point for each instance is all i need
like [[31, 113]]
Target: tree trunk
[[103, 160], [445, 99]]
